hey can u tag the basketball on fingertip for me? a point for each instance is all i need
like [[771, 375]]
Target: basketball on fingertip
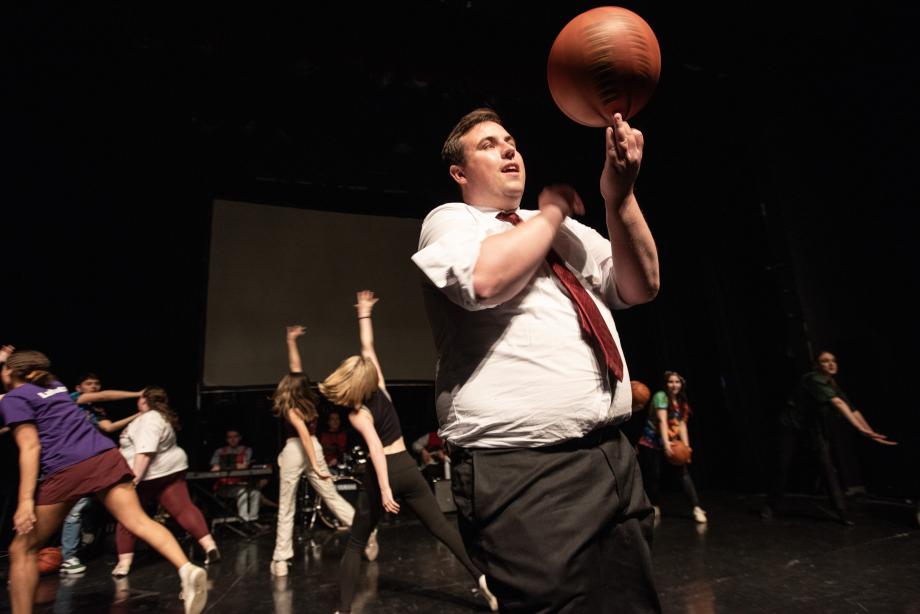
[[49, 560], [605, 61], [680, 453]]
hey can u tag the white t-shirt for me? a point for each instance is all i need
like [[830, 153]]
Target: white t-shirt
[[150, 433], [519, 374]]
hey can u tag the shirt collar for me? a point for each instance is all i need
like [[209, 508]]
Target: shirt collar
[[493, 211]]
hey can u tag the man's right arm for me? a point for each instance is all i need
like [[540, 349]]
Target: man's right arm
[[478, 270], [108, 426], [103, 396], [508, 260]]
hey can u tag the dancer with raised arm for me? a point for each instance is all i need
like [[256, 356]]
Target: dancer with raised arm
[[294, 402], [358, 384]]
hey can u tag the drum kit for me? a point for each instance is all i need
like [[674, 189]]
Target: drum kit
[[346, 477]]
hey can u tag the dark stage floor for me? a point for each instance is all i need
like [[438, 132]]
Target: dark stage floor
[[798, 563]]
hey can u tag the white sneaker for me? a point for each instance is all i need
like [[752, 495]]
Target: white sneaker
[[487, 594], [121, 570], [279, 568], [699, 515], [372, 549], [194, 588]]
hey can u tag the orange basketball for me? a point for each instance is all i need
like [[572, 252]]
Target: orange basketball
[[680, 453], [640, 394], [604, 61], [49, 560]]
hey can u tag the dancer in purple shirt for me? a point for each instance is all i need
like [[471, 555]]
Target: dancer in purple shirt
[[76, 460]]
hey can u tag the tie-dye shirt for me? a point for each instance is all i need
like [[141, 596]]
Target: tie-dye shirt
[[651, 435]]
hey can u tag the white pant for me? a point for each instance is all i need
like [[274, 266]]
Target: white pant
[[293, 461]]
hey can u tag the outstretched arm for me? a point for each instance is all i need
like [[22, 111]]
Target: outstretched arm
[[859, 424], [106, 395], [293, 332], [632, 245], [364, 425], [862, 420], [107, 426], [365, 306]]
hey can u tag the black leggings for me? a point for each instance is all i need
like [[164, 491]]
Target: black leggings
[[407, 484], [650, 463]]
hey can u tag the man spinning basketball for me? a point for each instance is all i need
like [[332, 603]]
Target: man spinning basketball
[[531, 381]]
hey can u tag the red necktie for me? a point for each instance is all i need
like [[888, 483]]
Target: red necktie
[[592, 323]]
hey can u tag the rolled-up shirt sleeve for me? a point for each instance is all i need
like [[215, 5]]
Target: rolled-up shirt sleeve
[[448, 251]]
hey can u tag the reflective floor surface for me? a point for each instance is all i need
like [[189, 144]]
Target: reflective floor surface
[[801, 562]]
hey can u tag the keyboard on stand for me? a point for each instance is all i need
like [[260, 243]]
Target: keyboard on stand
[[235, 473]]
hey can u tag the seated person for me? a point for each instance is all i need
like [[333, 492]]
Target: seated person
[[231, 457], [334, 440], [430, 450]]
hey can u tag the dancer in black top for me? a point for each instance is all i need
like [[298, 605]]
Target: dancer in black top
[[358, 384]]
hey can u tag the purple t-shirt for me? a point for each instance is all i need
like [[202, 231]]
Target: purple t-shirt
[[66, 436]]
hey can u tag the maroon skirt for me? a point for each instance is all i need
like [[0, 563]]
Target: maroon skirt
[[87, 477]]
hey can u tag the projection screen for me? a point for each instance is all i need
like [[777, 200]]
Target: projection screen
[[271, 266]]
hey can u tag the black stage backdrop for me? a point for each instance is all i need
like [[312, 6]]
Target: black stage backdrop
[[779, 181]]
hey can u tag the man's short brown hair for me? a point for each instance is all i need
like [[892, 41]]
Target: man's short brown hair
[[452, 151]]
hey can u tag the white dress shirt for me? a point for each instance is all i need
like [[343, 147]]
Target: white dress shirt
[[520, 374]]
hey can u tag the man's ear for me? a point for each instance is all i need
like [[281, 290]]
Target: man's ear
[[456, 173]]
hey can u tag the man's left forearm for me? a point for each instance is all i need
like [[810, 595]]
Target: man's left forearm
[[634, 253]]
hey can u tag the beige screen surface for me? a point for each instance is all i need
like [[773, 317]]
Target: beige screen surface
[[271, 266]]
